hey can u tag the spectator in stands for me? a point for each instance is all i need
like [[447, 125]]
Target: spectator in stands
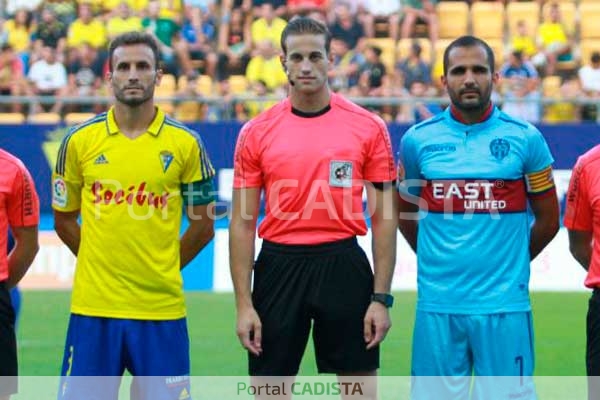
[[372, 75], [65, 10], [414, 68], [422, 110], [174, 52], [234, 44], [566, 108], [266, 66], [47, 77], [344, 71], [280, 7], [227, 109], [199, 32], [523, 41], [267, 26], [305, 7], [520, 88], [19, 30], [387, 11], [415, 10], [589, 79], [123, 21], [12, 7], [50, 32], [554, 42], [171, 9], [346, 26], [12, 79], [251, 108], [87, 29], [84, 75]]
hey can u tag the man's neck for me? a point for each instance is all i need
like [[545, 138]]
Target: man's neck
[[474, 117], [134, 121], [310, 103]]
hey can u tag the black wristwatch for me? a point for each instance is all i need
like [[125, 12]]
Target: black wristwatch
[[384, 298]]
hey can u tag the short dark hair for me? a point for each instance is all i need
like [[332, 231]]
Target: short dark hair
[[302, 26], [469, 41], [133, 38], [595, 58]]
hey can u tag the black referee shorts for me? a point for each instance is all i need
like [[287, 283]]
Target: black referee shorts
[[8, 344], [328, 285]]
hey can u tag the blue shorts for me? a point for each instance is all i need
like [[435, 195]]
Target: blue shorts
[[449, 348], [99, 350]]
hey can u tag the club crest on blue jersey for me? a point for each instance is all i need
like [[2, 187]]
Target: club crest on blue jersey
[[166, 157], [499, 148]]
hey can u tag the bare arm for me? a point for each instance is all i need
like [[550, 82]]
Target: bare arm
[[408, 220], [383, 206], [546, 225], [242, 233], [198, 234], [580, 245], [23, 253], [68, 229]]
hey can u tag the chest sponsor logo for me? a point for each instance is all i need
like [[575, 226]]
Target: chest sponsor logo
[[499, 148], [440, 148], [130, 195], [340, 173], [475, 196]]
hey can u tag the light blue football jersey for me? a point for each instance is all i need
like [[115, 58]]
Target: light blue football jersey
[[473, 238]]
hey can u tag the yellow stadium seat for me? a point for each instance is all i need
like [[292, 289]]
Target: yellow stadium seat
[[551, 86], [12, 118], [440, 47], [487, 20], [44, 118], [526, 11], [74, 118], [168, 82], [238, 84], [586, 48], [205, 85], [404, 45], [189, 111], [497, 46], [589, 14], [453, 19]]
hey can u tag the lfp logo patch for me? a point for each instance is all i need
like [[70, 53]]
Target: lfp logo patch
[[499, 148], [59, 192]]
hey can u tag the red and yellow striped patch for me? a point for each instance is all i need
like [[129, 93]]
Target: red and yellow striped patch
[[539, 182]]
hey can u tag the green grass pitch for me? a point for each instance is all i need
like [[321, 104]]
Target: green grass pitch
[[215, 351]]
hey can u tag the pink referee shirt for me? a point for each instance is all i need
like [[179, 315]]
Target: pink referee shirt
[[312, 169], [19, 203], [583, 207]]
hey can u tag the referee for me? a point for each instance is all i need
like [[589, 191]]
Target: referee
[[312, 154]]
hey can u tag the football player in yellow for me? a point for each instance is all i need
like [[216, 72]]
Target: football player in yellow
[[129, 173]]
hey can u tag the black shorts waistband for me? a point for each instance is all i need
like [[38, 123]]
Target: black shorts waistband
[[596, 291], [310, 249]]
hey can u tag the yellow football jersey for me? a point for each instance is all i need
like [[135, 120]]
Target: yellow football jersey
[[129, 194]]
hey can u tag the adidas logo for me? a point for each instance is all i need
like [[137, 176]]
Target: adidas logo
[[101, 160]]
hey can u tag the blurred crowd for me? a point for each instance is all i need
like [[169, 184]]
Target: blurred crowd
[[228, 51]]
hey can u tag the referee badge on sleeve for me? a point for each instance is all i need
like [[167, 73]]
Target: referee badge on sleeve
[[340, 173]]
